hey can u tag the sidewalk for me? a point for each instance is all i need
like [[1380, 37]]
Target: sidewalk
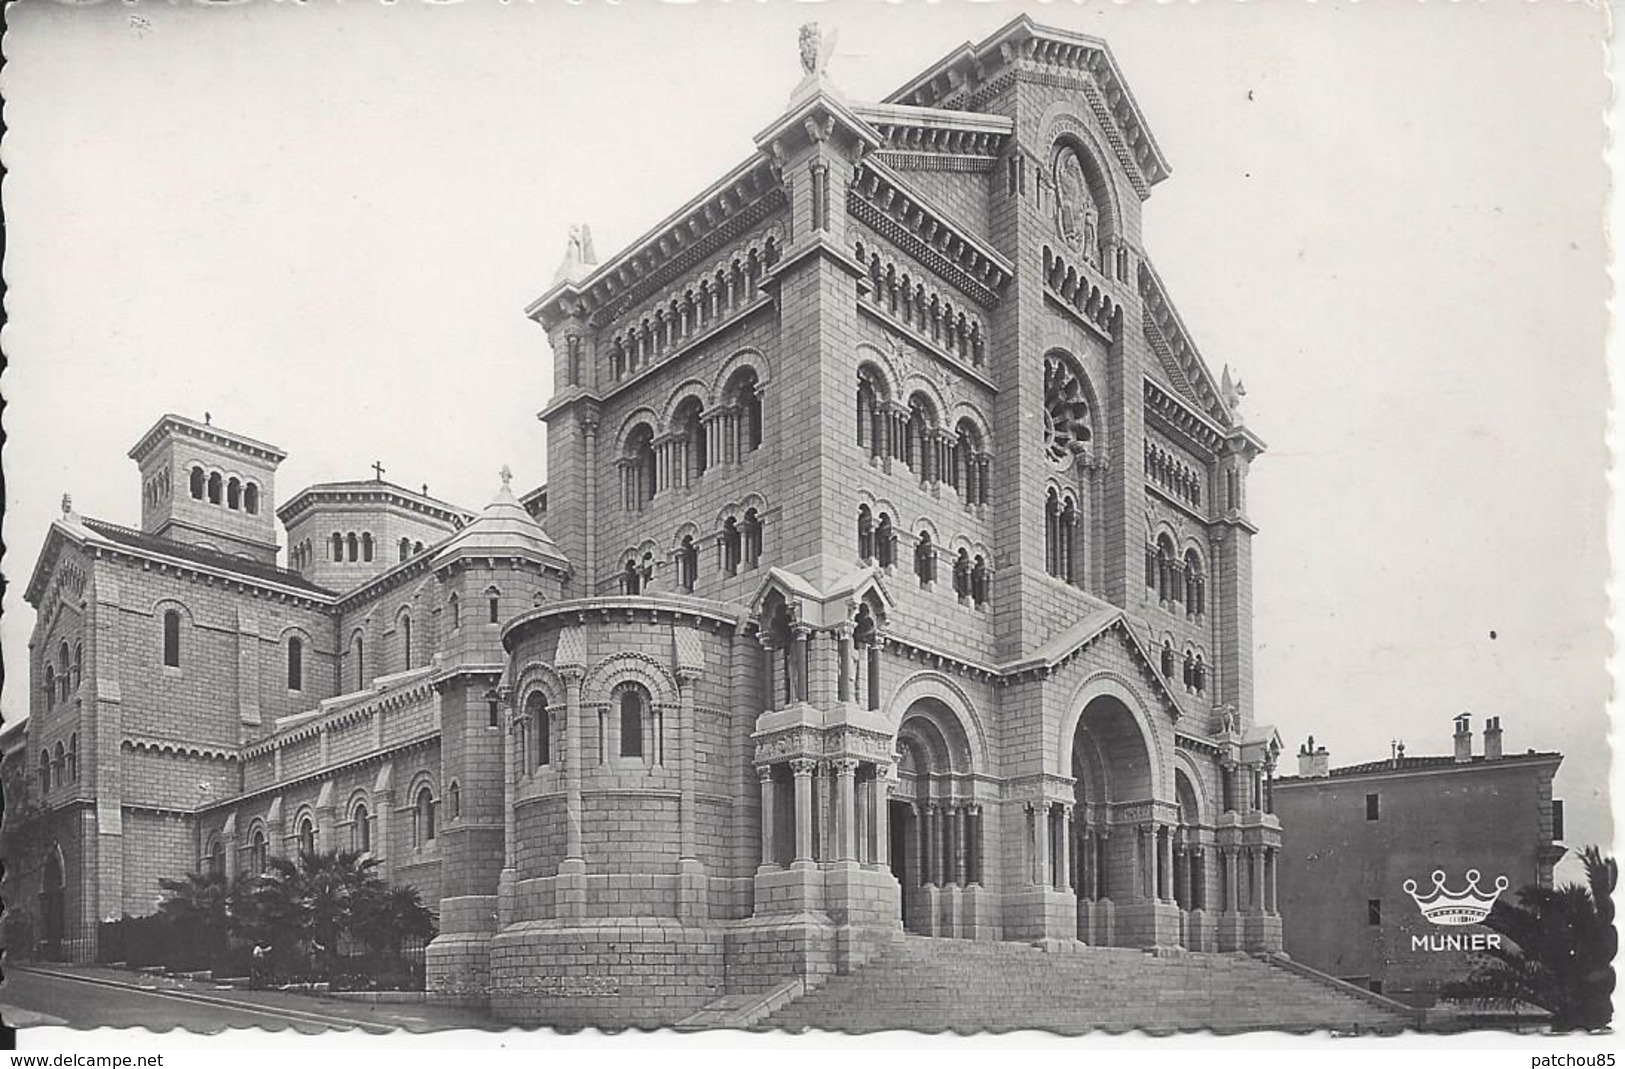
[[411, 1016]]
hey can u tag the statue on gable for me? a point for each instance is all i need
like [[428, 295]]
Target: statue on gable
[[578, 255], [816, 50], [1233, 391]]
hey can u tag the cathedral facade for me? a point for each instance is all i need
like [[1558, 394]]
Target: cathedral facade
[[893, 572]]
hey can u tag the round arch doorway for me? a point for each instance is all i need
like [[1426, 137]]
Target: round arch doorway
[[53, 902], [1118, 870], [935, 824]]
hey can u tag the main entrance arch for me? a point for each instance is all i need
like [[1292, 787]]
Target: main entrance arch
[[53, 902], [935, 823], [1121, 855]]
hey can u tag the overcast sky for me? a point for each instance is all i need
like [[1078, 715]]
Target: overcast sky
[[321, 224]]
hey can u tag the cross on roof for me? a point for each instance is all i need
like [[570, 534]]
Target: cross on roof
[[507, 476], [378, 471]]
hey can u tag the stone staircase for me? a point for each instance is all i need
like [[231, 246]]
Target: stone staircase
[[935, 985]]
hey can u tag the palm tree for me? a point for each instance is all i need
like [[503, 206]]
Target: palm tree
[[197, 909], [311, 902], [1562, 945], [389, 917]]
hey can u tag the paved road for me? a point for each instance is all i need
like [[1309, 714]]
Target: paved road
[[80, 997]]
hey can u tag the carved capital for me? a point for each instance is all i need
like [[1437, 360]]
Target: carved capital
[[803, 766]]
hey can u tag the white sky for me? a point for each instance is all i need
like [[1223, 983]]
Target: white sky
[[321, 224]]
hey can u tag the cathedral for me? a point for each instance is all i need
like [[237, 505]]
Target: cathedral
[[892, 573]]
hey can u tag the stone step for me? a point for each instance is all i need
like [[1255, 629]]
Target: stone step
[[936, 985]]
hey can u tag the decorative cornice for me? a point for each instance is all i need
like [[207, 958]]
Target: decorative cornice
[[1163, 327], [882, 201], [1172, 415], [648, 262], [662, 608], [372, 493], [170, 423], [1032, 52], [180, 747]]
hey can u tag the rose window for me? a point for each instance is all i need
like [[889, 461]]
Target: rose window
[[1067, 426]]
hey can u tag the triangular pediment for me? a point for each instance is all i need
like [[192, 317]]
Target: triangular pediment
[[828, 603], [1107, 624]]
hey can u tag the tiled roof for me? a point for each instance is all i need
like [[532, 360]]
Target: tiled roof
[[198, 555]]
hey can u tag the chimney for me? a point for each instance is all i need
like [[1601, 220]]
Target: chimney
[[1313, 761], [1492, 739], [1464, 738]]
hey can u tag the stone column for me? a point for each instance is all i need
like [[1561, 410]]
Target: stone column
[[1272, 865], [1064, 869], [1257, 903], [764, 773], [846, 847], [843, 663], [798, 664], [919, 841], [573, 729], [770, 661], [882, 795], [1041, 842], [510, 830], [685, 770], [823, 809], [1167, 863], [961, 858], [803, 768]]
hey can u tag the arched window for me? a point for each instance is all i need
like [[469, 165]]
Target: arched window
[[634, 707], [1167, 658], [406, 549], [1067, 547], [296, 663], [688, 564], [1199, 674], [541, 725], [493, 605], [307, 836], [59, 765], [493, 710], [1195, 585], [78, 663], [366, 546], [691, 425], [745, 394], [981, 582], [868, 408], [361, 829], [45, 771], [1165, 569], [454, 795], [423, 818], [214, 861], [417, 547], [196, 482], [338, 546], [73, 758], [1052, 532], [406, 643], [251, 499], [751, 532], [360, 650], [885, 541], [969, 473], [64, 679], [925, 559], [172, 638], [638, 468], [865, 637], [257, 852], [962, 573], [351, 548], [729, 542], [50, 685], [1189, 677], [214, 488], [631, 578], [234, 493], [866, 533]]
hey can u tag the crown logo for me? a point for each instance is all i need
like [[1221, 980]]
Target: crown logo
[[1470, 906]]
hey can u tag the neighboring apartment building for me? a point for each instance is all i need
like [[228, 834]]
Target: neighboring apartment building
[[899, 575], [1356, 838]]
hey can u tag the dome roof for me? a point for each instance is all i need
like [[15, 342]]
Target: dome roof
[[502, 529]]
